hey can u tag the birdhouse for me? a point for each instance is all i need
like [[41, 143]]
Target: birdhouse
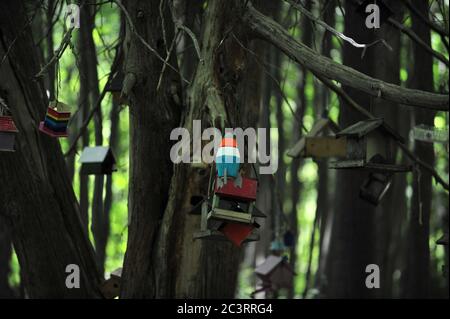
[[56, 120], [232, 213], [216, 229], [98, 160], [110, 288], [313, 145], [375, 187], [115, 87], [277, 247], [276, 272], [227, 157], [8, 132], [370, 145]]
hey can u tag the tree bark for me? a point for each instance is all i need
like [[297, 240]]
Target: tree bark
[[416, 282], [38, 203], [352, 238], [153, 114]]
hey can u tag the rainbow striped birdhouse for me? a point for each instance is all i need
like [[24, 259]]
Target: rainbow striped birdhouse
[[56, 120], [8, 133]]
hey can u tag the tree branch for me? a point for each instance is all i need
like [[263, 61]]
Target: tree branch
[[272, 32]]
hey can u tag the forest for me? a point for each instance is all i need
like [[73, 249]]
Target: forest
[[224, 149]]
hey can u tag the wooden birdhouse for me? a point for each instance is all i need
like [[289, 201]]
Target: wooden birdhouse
[[56, 120], [232, 213], [370, 145], [115, 87], [8, 132], [98, 160], [314, 145], [375, 187], [277, 247], [110, 288], [276, 272]]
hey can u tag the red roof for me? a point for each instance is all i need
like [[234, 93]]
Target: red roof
[[7, 124]]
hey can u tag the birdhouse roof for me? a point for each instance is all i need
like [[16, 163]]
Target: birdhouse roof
[[7, 124], [96, 154], [270, 264], [363, 128], [117, 273]]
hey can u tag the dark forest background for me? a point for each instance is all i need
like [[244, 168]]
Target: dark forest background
[[248, 63]]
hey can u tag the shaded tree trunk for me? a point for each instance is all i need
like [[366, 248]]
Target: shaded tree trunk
[[39, 206], [153, 114], [416, 282], [352, 241], [5, 259]]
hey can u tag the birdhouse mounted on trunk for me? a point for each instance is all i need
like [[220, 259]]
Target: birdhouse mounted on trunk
[[56, 120], [370, 145], [98, 160], [8, 132], [276, 273], [115, 87]]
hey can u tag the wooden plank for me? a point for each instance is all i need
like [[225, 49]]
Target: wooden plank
[[317, 128], [324, 147], [230, 215]]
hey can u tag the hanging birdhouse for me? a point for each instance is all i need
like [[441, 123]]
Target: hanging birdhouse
[[277, 247], [8, 132], [375, 187], [115, 87], [316, 146], [370, 145], [276, 272], [216, 229], [110, 288], [227, 158], [56, 120], [98, 160]]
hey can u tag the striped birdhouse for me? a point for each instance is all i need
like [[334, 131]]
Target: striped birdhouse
[[228, 158], [8, 132], [56, 120]]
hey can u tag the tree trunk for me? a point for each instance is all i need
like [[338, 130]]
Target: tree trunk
[[5, 258], [153, 114], [416, 282], [38, 203], [352, 241]]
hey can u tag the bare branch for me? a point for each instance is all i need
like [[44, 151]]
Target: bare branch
[[272, 32]]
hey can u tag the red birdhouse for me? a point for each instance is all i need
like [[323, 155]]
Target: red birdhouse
[[8, 133], [246, 192]]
